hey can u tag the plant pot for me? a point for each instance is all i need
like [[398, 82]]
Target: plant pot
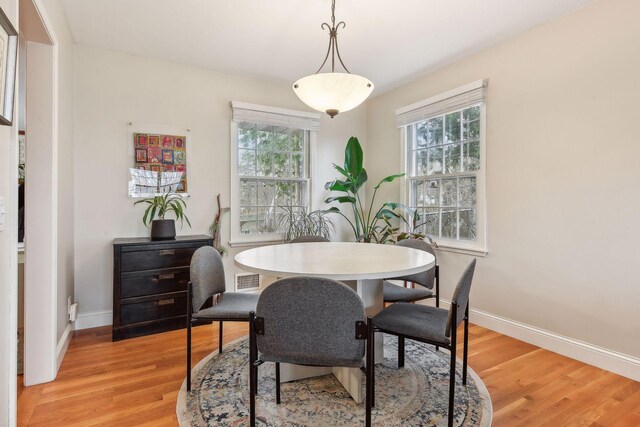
[[163, 229]]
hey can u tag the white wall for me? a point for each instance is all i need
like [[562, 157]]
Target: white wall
[[563, 174], [112, 89]]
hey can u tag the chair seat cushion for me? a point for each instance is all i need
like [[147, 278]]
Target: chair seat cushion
[[232, 305], [395, 293], [414, 320]]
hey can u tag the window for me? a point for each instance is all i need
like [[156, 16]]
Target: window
[[270, 169], [444, 146]]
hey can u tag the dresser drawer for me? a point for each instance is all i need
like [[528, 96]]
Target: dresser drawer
[[160, 307], [156, 259], [136, 284]]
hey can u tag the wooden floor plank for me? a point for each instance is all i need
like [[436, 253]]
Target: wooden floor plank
[[135, 382]]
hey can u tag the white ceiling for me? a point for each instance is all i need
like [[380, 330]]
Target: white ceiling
[[388, 42]]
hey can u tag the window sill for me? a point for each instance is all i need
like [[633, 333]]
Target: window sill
[[254, 243], [465, 250]]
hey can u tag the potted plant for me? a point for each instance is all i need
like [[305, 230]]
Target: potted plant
[[369, 225], [160, 206], [296, 223]]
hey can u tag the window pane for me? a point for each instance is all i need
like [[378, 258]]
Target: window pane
[[281, 140], [452, 158], [297, 139], [284, 193], [418, 193], [435, 161], [264, 163], [434, 131], [246, 162], [297, 165], [452, 126], [246, 135], [248, 220], [449, 192], [248, 193], [421, 134], [420, 162], [449, 224], [467, 224], [467, 191], [471, 156], [266, 194], [280, 164], [266, 220], [264, 138], [471, 129], [432, 193], [431, 221]]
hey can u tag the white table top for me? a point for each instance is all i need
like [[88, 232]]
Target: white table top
[[335, 260]]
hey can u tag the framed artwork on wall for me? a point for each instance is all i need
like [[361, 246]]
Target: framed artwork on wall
[[159, 156], [8, 58]]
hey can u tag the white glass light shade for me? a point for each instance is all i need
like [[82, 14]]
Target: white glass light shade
[[333, 93]]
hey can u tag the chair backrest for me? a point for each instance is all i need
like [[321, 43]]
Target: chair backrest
[[310, 321], [424, 278], [309, 239], [207, 275], [461, 296]]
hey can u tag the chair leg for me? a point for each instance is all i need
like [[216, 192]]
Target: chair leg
[[188, 353], [466, 345], [370, 369], [400, 352], [437, 292], [189, 313], [252, 373], [278, 383], [220, 338], [452, 373]]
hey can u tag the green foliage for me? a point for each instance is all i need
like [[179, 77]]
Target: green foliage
[[295, 223], [414, 223], [369, 225], [159, 206]]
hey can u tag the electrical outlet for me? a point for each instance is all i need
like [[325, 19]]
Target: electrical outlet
[[69, 305]]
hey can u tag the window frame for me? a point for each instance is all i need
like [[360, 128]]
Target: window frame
[[476, 247], [237, 238]]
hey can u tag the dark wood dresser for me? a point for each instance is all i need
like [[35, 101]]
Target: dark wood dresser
[[150, 284]]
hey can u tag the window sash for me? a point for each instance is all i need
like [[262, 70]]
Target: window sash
[[299, 200]]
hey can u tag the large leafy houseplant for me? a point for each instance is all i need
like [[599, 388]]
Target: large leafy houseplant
[[368, 224], [158, 207]]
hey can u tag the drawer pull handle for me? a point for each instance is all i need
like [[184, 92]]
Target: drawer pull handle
[[167, 252], [166, 301], [166, 276]]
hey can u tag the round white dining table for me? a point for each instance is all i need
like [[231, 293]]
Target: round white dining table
[[362, 266]]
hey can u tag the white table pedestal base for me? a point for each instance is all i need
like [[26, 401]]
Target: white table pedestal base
[[370, 291]]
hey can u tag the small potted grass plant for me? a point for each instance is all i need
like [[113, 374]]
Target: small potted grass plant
[[158, 207]]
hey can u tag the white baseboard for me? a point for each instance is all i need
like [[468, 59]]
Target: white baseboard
[[93, 319], [63, 345], [619, 363]]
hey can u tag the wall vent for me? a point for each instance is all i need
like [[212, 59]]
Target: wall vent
[[247, 282]]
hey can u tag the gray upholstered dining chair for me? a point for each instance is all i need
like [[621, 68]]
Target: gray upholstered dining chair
[[310, 239], [432, 325], [310, 321], [208, 301], [425, 280]]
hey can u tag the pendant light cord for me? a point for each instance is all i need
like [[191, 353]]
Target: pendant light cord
[[333, 41]]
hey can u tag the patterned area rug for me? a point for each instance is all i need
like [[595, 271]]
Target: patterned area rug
[[416, 395]]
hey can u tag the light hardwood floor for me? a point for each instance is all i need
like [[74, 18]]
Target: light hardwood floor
[[135, 382]]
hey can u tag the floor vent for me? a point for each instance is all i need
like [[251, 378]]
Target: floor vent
[[247, 282]]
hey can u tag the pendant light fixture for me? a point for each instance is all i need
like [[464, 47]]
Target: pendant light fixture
[[333, 92]]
